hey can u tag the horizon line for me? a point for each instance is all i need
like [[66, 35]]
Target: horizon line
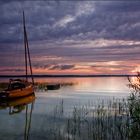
[[70, 75]]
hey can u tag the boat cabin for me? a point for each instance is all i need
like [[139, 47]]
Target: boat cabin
[[16, 84]]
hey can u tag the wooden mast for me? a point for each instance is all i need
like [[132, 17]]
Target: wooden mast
[[27, 51], [25, 46]]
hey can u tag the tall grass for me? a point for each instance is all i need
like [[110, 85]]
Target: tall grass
[[115, 119], [134, 106], [106, 121], [110, 122]]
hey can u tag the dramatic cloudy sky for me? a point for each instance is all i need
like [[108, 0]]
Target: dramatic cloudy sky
[[71, 37]]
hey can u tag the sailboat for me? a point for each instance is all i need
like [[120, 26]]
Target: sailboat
[[19, 87]]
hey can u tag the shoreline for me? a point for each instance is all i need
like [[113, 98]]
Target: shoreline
[[63, 76]]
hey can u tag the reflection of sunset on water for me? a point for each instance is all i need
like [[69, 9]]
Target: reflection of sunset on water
[[94, 84]]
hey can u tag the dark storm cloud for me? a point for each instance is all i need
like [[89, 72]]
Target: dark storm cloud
[[62, 67], [119, 6], [44, 66], [54, 66], [89, 54], [40, 16], [74, 19]]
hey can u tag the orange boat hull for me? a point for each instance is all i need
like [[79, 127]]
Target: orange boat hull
[[21, 92]]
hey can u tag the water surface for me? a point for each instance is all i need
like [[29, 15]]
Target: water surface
[[40, 113]]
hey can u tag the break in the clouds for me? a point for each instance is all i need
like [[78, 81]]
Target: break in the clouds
[[95, 37]]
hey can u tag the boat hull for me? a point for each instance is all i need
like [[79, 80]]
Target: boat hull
[[21, 92], [17, 93]]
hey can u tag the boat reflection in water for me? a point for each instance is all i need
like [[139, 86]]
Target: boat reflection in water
[[17, 106]]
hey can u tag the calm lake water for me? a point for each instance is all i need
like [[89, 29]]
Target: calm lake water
[[34, 120]]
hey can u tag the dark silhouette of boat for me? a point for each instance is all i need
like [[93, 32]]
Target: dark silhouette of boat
[[53, 86]]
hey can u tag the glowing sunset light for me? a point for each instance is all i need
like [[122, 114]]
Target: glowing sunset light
[[137, 69], [71, 37]]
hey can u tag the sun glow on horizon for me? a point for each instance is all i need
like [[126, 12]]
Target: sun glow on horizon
[[91, 68]]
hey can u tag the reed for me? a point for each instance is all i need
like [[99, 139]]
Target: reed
[[107, 120], [117, 119], [134, 106]]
